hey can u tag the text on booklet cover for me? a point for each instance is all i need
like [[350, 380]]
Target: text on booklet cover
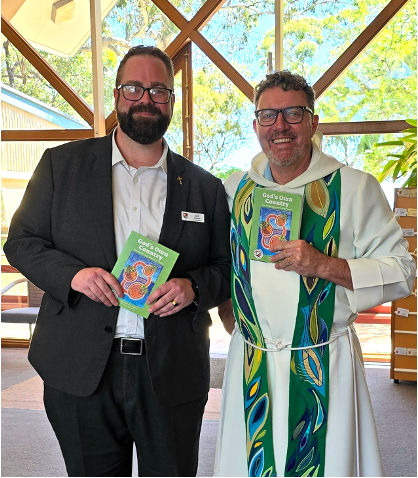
[[276, 219], [142, 267]]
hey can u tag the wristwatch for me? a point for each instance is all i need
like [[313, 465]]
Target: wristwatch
[[194, 287], [196, 292]]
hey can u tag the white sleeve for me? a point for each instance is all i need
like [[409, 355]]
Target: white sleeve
[[383, 270]]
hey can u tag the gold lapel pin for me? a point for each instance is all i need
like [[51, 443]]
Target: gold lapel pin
[[179, 179]]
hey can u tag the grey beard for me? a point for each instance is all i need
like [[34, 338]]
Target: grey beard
[[296, 156]]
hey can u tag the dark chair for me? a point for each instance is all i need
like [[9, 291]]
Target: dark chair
[[24, 315]]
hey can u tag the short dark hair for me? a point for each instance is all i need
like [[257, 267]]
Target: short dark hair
[[140, 50], [285, 80]]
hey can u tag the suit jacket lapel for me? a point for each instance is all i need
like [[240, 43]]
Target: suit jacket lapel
[[101, 197], [177, 196]]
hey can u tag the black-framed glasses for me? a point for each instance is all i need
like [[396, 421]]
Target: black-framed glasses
[[292, 115], [136, 92]]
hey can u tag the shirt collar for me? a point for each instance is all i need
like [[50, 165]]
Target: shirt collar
[[118, 158], [267, 173]]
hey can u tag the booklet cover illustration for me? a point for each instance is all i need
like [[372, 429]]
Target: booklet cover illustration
[[277, 217], [142, 267]]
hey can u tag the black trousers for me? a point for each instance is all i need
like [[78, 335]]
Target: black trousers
[[96, 433]]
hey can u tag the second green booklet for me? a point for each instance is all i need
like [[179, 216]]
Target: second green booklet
[[276, 218], [143, 265]]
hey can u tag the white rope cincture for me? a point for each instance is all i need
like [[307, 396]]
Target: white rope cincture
[[279, 346], [350, 339], [287, 345]]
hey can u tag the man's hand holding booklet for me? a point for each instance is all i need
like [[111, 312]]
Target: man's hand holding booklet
[[142, 267], [277, 218]]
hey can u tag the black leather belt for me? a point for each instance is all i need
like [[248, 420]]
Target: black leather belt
[[129, 346]]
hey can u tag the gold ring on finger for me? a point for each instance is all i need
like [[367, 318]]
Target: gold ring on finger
[[175, 304]]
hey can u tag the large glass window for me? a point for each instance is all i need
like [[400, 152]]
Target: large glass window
[[32, 103], [237, 31], [18, 161], [381, 84], [358, 151], [19, 76], [222, 115], [317, 33]]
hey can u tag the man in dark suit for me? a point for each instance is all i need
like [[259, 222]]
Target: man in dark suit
[[111, 377]]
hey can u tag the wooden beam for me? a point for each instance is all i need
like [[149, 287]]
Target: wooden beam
[[357, 47], [178, 62], [202, 17], [362, 127], [111, 122], [15, 343], [46, 134], [330, 129], [240, 82], [97, 66], [279, 31], [46, 71], [179, 66], [9, 269], [187, 97], [206, 12]]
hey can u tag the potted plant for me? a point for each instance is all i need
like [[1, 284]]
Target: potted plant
[[404, 164]]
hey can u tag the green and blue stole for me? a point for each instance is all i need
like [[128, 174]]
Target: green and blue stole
[[309, 368]]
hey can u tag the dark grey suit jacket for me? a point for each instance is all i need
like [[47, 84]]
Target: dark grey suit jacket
[[65, 223]]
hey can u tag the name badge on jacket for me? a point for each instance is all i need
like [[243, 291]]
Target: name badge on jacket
[[192, 216]]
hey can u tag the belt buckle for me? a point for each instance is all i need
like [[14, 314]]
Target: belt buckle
[[131, 339]]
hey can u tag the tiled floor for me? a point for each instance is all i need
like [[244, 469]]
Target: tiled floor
[[28, 393]]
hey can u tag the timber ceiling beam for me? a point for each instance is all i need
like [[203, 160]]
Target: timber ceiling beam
[[362, 127], [111, 122], [328, 129], [46, 134], [178, 61], [187, 100], [47, 72], [202, 17], [358, 46]]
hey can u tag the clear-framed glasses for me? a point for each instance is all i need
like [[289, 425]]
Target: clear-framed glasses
[[135, 93], [292, 115]]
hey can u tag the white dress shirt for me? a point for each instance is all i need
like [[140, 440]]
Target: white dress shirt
[[139, 197]]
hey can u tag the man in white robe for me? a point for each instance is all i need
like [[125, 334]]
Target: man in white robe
[[373, 267]]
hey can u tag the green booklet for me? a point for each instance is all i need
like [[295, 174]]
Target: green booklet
[[277, 217], [143, 265]]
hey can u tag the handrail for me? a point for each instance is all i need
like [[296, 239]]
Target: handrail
[[12, 284]]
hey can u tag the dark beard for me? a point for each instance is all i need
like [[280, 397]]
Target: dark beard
[[143, 130]]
